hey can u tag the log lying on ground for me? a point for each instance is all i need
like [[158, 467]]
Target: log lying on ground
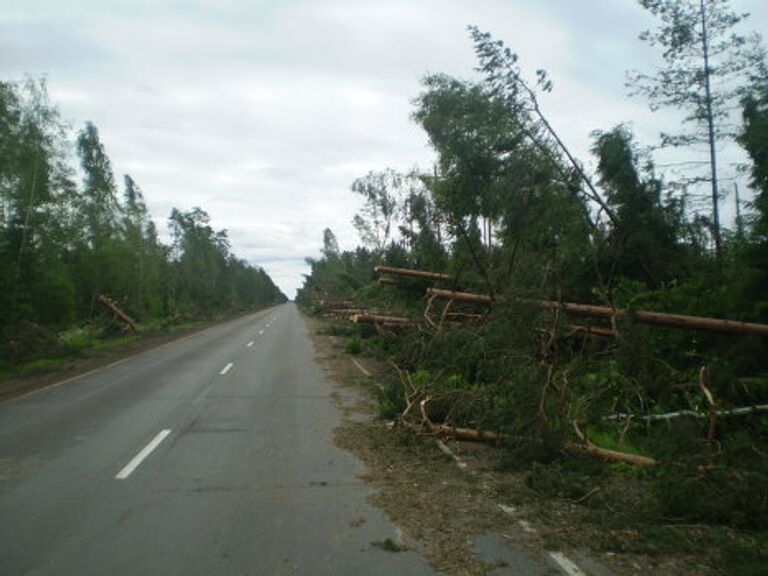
[[731, 412], [388, 282], [470, 435], [611, 455], [413, 273], [110, 305], [347, 311], [467, 434], [640, 316], [378, 319]]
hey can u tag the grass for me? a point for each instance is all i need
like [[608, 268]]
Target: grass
[[108, 343], [83, 342], [33, 367]]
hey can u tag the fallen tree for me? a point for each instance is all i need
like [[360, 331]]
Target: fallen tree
[[640, 316], [727, 413], [347, 311], [388, 282], [412, 273], [110, 305], [379, 319], [472, 435]]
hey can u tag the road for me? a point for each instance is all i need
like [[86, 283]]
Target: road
[[212, 455]]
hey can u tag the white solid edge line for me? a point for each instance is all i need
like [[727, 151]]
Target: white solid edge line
[[566, 564], [226, 369], [139, 458], [250, 344]]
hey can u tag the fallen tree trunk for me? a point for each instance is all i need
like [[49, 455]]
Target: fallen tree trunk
[[110, 305], [378, 319], [470, 435], [611, 455], [460, 296], [388, 282], [640, 316], [413, 273], [467, 434], [660, 318], [347, 311], [731, 412]]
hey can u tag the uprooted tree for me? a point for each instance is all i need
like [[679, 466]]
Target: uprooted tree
[[595, 304]]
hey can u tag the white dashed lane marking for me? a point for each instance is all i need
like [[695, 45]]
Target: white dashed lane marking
[[139, 458], [226, 369]]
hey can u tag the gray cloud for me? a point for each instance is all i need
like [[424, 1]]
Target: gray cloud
[[263, 113]]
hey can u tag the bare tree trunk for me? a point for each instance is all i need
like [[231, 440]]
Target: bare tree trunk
[[711, 136]]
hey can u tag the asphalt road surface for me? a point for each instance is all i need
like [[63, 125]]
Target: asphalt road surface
[[212, 455]]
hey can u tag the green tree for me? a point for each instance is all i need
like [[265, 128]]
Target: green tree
[[754, 139], [380, 192], [35, 192], [706, 63], [644, 239], [100, 206]]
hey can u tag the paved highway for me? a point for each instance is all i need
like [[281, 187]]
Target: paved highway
[[211, 455]]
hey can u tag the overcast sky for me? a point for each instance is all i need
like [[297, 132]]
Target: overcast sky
[[264, 112]]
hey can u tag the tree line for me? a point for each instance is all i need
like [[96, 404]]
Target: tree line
[[68, 235], [509, 211]]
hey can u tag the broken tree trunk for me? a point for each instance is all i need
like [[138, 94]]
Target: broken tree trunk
[[471, 435], [388, 282], [110, 305], [468, 434], [611, 455], [731, 412], [378, 319], [413, 273], [347, 311], [460, 296], [640, 316]]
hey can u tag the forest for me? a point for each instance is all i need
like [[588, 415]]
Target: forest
[[518, 236], [70, 233]]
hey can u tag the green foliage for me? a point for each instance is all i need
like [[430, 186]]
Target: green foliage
[[644, 241], [63, 243], [569, 479], [354, 346], [508, 211], [389, 400], [706, 65]]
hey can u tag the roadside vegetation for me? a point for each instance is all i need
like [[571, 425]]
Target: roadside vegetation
[[69, 234], [510, 215]]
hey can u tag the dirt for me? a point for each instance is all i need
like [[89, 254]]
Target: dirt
[[442, 507]]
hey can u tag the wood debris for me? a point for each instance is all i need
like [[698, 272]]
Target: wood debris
[[413, 273], [110, 305], [640, 316]]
